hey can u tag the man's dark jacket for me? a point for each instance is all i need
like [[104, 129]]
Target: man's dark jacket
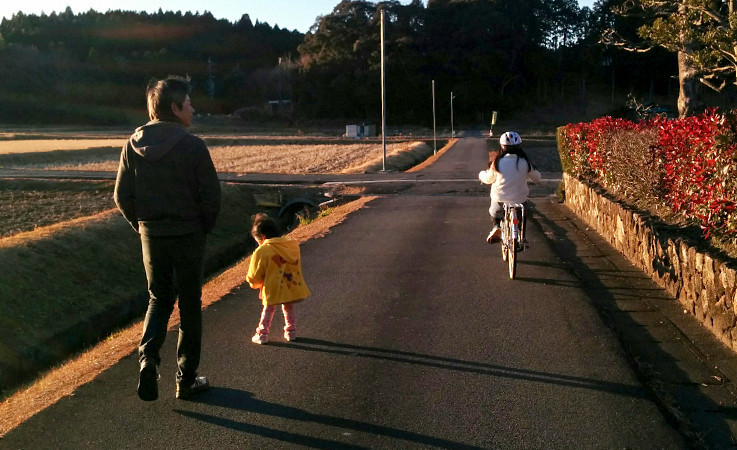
[[167, 184]]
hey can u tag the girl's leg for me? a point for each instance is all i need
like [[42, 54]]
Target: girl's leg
[[290, 321], [496, 212], [266, 316]]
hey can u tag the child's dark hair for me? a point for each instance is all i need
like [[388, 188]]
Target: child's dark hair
[[264, 225], [512, 150]]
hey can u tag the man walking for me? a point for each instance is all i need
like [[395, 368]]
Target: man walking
[[168, 190]]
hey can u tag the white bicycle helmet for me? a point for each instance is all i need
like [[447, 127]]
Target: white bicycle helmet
[[510, 138]]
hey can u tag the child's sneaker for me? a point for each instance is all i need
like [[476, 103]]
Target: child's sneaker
[[494, 235], [260, 338], [290, 336]]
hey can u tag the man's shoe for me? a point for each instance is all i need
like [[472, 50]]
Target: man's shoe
[[186, 390], [290, 336], [148, 383], [494, 235], [260, 338]]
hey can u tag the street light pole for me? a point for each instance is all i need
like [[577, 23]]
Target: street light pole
[[280, 89], [434, 141], [452, 130], [383, 96]]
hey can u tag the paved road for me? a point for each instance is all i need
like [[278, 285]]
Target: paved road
[[414, 338]]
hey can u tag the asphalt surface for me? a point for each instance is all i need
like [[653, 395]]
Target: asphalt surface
[[415, 337]]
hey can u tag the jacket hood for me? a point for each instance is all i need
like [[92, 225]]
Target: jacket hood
[[285, 247], [155, 139]]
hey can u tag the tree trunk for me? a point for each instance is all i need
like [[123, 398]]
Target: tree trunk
[[732, 4], [689, 95]]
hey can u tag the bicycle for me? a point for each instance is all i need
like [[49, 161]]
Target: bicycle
[[513, 234]]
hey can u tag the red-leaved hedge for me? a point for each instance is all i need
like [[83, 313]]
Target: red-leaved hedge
[[688, 163]]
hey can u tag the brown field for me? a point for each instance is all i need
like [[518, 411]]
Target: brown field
[[30, 204], [317, 157], [48, 145], [323, 158]]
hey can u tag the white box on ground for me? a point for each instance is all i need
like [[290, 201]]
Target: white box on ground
[[352, 131]]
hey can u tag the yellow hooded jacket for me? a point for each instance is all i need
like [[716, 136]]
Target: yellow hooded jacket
[[276, 268]]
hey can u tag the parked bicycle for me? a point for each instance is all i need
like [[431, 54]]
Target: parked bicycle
[[513, 235]]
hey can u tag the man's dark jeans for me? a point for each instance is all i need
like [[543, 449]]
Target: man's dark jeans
[[174, 268]]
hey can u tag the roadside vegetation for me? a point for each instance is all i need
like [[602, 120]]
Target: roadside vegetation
[[677, 171], [32, 204]]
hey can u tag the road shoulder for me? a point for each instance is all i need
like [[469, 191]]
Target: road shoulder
[[684, 366]]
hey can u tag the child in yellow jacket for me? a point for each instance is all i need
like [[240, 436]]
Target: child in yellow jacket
[[276, 270]]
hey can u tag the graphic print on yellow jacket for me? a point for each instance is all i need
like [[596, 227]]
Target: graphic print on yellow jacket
[[276, 268]]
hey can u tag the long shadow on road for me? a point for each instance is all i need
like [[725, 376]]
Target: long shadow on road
[[319, 345], [245, 401]]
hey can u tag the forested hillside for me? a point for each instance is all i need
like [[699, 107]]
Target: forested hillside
[[491, 54], [68, 68]]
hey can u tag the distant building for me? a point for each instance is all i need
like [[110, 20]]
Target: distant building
[[359, 131], [279, 107]]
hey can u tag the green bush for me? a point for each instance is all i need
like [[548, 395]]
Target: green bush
[[564, 150]]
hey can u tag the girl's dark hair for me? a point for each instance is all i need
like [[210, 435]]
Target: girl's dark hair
[[512, 150], [160, 94], [264, 225]]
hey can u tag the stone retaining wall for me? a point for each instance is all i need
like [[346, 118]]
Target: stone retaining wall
[[704, 285]]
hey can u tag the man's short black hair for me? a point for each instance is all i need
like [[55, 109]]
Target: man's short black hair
[[160, 94]]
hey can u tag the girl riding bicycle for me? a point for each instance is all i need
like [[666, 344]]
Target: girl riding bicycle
[[508, 174]]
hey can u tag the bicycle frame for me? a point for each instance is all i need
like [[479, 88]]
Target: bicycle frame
[[513, 234]]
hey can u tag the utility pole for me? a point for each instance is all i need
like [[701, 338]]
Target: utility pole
[[434, 141], [452, 130], [280, 91], [383, 96], [210, 83]]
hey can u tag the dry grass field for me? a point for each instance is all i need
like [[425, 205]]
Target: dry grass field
[[318, 156], [30, 204], [9, 146]]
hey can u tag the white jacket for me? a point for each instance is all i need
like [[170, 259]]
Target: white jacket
[[509, 184]]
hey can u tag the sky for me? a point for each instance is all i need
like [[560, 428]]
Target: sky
[[297, 15]]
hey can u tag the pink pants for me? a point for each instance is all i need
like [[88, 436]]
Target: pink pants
[[290, 319]]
